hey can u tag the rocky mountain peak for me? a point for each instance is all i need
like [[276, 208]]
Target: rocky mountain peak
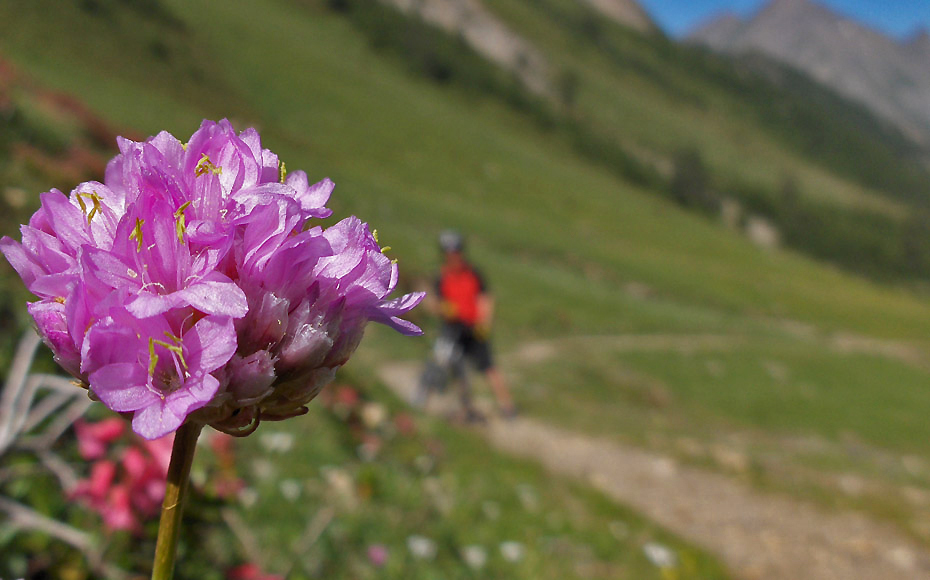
[[919, 43], [890, 77]]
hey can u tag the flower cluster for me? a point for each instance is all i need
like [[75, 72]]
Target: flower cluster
[[129, 490], [192, 284]]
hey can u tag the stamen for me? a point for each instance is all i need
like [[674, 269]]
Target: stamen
[[95, 199], [153, 358], [282, 171], [175, 348], [137, 234], [205, 166], [385, 249], [181, 225]]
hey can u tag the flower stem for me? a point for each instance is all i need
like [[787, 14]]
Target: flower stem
[[169, 528]]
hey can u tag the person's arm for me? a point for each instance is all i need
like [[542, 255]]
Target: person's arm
[[436, 303], [433, 300], [485, 309]]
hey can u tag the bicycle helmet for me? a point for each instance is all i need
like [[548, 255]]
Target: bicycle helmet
[[451, 241]]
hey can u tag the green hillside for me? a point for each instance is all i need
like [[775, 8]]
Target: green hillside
[[571, 247], [756, 127]]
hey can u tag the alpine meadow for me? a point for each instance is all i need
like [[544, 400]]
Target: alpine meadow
[[711, 260]]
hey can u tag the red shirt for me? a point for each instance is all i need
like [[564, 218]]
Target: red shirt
[[462, 287]]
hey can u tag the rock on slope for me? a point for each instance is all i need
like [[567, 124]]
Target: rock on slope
[[485, 34], [626, 12]]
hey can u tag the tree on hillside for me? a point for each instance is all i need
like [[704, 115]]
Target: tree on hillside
[[689, 186], [567, 85], [915, 243]]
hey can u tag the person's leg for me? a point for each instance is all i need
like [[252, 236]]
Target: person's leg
[[481, 349], [459, 371], [501, 391]]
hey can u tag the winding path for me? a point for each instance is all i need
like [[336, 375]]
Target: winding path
[[757, 535]]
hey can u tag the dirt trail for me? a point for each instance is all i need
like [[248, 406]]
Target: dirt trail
[[757, 535], [538, 351]]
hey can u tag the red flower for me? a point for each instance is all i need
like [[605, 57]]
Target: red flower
[[250, 571], [93, 437]]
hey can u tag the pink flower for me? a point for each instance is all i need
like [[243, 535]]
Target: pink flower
[[93, 438], [117, 511], [250, 571], [377, 555], [96, 488], [194, 283], [129, 490], [405, 423]]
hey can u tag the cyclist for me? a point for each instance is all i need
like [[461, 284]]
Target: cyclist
[[467, 309]]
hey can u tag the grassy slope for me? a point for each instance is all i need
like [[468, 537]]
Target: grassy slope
[[661, 97], [557, 237], [416, 158], [765, 391], [570, 522], [413, 158], [440, 484]]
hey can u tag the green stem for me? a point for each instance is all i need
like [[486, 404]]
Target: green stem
[[169, 528]]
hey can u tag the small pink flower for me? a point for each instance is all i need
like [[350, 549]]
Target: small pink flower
[[222, 445], [405, 424], [131, 488], [101, 477], [160, 451], [377, 554], [93, 437], [250, 571], [117, 513], [346, 396], [135, 463]]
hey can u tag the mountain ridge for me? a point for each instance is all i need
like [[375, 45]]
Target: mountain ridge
[[891, 77]]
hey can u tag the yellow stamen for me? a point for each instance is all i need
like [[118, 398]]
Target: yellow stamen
[[205, 166], [153, 358], [181, 225], [175, 348], [95, 199], [137, 234], [385, 249], [282, 171]]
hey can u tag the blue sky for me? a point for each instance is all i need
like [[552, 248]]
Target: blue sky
[[897, 18]]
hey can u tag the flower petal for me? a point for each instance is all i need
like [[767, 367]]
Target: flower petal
[[122, 387], [156, 420], [211, 343]]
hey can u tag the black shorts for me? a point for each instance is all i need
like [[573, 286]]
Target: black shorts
[[474, 349]]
